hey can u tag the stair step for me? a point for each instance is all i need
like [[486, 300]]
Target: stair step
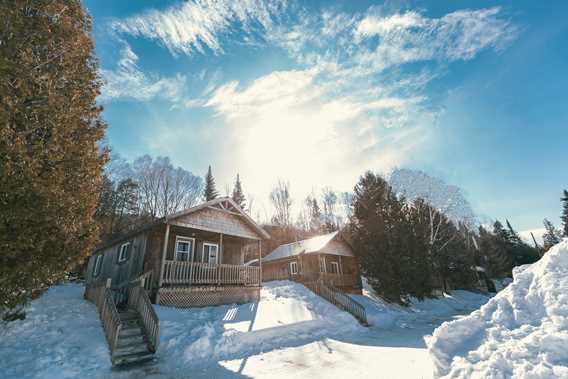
[[130, 331], [131, 338], [129, 315], [127, 343], [131, 349], [132, 358]]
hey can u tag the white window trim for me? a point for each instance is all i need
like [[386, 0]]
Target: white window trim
[[295, 265], [121, 250], [323, 265], [184, 239], [97, 265], [208, 255], [336, 264]]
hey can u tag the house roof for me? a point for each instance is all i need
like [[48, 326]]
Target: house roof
[[235, 209], [311, 245]]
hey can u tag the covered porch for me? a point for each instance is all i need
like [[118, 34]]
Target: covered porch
[[199, 257]]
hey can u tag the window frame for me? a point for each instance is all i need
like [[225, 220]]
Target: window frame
[[294, 271], [322, 264], [121, 249], [190, 254], [336, 264], [209, 253], [97, 265]]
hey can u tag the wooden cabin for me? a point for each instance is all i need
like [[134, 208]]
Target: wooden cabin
[[328, 258], [191, 258]]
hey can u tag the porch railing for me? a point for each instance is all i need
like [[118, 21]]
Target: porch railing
[[138, 299], [203, 273], [337, 280]]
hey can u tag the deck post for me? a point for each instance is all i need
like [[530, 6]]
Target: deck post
[[164, 253], [260, 262], [219, 259]]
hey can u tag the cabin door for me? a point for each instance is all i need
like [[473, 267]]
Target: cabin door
[[211, 253]]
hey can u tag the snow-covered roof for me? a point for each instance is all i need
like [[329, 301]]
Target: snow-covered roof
[[311, 245]]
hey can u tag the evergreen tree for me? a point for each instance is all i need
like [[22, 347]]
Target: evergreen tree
[[238, 196], [551, 237], [210, 191], [565, 214], [50, 158], [315, 215], [495, 257], [378, 237]]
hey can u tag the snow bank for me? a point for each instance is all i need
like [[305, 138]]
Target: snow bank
[[61, 337], [522, 332], [288, 314]]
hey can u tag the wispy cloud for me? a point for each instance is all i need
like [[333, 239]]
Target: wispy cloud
[[410, 37], [127, 81], [196, 26]]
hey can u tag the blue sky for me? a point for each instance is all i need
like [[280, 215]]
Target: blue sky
[[316, 93]]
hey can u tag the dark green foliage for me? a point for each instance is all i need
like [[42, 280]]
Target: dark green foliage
[[238, 195], [551, 237], [50, 159], [210, 192], [377, 228], [564, 216]]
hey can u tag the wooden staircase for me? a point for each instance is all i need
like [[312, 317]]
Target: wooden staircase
[[132, 343], [339, 299], [129, 321]]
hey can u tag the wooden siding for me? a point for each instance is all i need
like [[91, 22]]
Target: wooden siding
[[217, 221], [119, 272]]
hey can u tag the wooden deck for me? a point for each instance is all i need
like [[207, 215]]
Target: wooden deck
[[337, 280]]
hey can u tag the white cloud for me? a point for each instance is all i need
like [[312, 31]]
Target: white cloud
[[128, 81], [295, 125], [195, 25], [410, 37]]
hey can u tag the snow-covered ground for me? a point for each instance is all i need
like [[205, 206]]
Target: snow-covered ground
[[290, 333], [521, 333]]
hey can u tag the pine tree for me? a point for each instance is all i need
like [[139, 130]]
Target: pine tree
[[565, 213], [238, 196], [50, 155], [315, 215], [210, 192], [551, 237], [377, 236]]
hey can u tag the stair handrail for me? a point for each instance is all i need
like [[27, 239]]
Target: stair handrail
[[109, 317], [339, 299], [138, 299]]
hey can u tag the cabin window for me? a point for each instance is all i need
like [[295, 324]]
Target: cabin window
[[334, 268], [97, 265], [184, 249], [294, 268], [322, 264], [123, 252], [211, 253]]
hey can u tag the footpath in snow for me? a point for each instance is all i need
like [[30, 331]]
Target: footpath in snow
[[521, 333], [290, 333]]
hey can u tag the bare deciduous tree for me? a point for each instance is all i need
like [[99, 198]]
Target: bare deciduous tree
[[282, 203]]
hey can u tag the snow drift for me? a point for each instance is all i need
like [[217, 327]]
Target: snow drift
[[522, 332]]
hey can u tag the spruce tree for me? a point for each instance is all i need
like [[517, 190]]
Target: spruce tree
[[315, 216], [564, 216], [551, 237], [238, 196], [377, 236], [50, 155], [210, 192]]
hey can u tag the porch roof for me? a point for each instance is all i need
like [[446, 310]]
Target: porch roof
[[307, 246]]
